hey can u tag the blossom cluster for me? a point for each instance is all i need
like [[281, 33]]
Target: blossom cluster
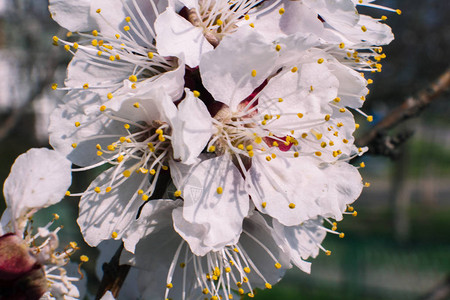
[[223, 129]]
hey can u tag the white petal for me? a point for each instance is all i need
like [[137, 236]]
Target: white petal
[[257, 232], [191, 130], [203, 204], [155, 215], [283, 181], [38, 178], [103, 213], [64, 134], [73, 15], [344, 187], [227, 72], [178, 37], [301, 241]]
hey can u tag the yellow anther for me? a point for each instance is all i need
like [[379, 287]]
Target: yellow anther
[[398, 11], [126, 126], [236, 250], [328, 252], [94, 32], [318, 153], [117, 56], [120, 158], [369, 118], [216, 271], [126, 28], [126, 173], [258, 139], [117, 36], [251, 153], [85, 86], [212, 148], [165, 168], [342, 45], [278, 47], [323, 144], [253, 73], [112, 58], [67, 193], [205, 291], [98, 11], [369, 81], [94, 43], [294, 69], [74, 245], [136, 104], [281, 11], [251, 25], [241, 291], [337, 99], [219, 22], [345, 141], [55, 39], [280, 99], [247, 270], [84, 258], [342, 110], [196, 94], [74, 145], [55, 217], [132, 78], [367, 184], [362, 165], [99, 53], [150, 55], [364, 28], [66, 47], [249, 147], [109, 96], [182, 265], [99, 153], [102, 108], [320, 60], [145, 197], [98, 147], [247, 17], [275, 144], [219, 190], [264, 204], [300, 115], [152, 172], [251, 295], [114, 234], [177, 193], [127, 19], [108, 189], [169, 285], [291, 205], [241, 146], [75, 45], [327, 118], [355, 213], [341, 235], [296, 154], [54, 86], [97, 190], [278, 266], [111, 147]]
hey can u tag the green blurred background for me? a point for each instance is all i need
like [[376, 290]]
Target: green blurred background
[[398, 247]]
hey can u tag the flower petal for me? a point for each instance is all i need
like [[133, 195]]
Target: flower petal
[[38, 178]]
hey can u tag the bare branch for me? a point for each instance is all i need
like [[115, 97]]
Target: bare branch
[[377, 139]]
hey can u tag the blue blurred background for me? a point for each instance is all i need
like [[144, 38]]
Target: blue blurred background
[[398, 247]]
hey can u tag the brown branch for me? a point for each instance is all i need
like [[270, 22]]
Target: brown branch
[[113, 276], [408, 109]]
